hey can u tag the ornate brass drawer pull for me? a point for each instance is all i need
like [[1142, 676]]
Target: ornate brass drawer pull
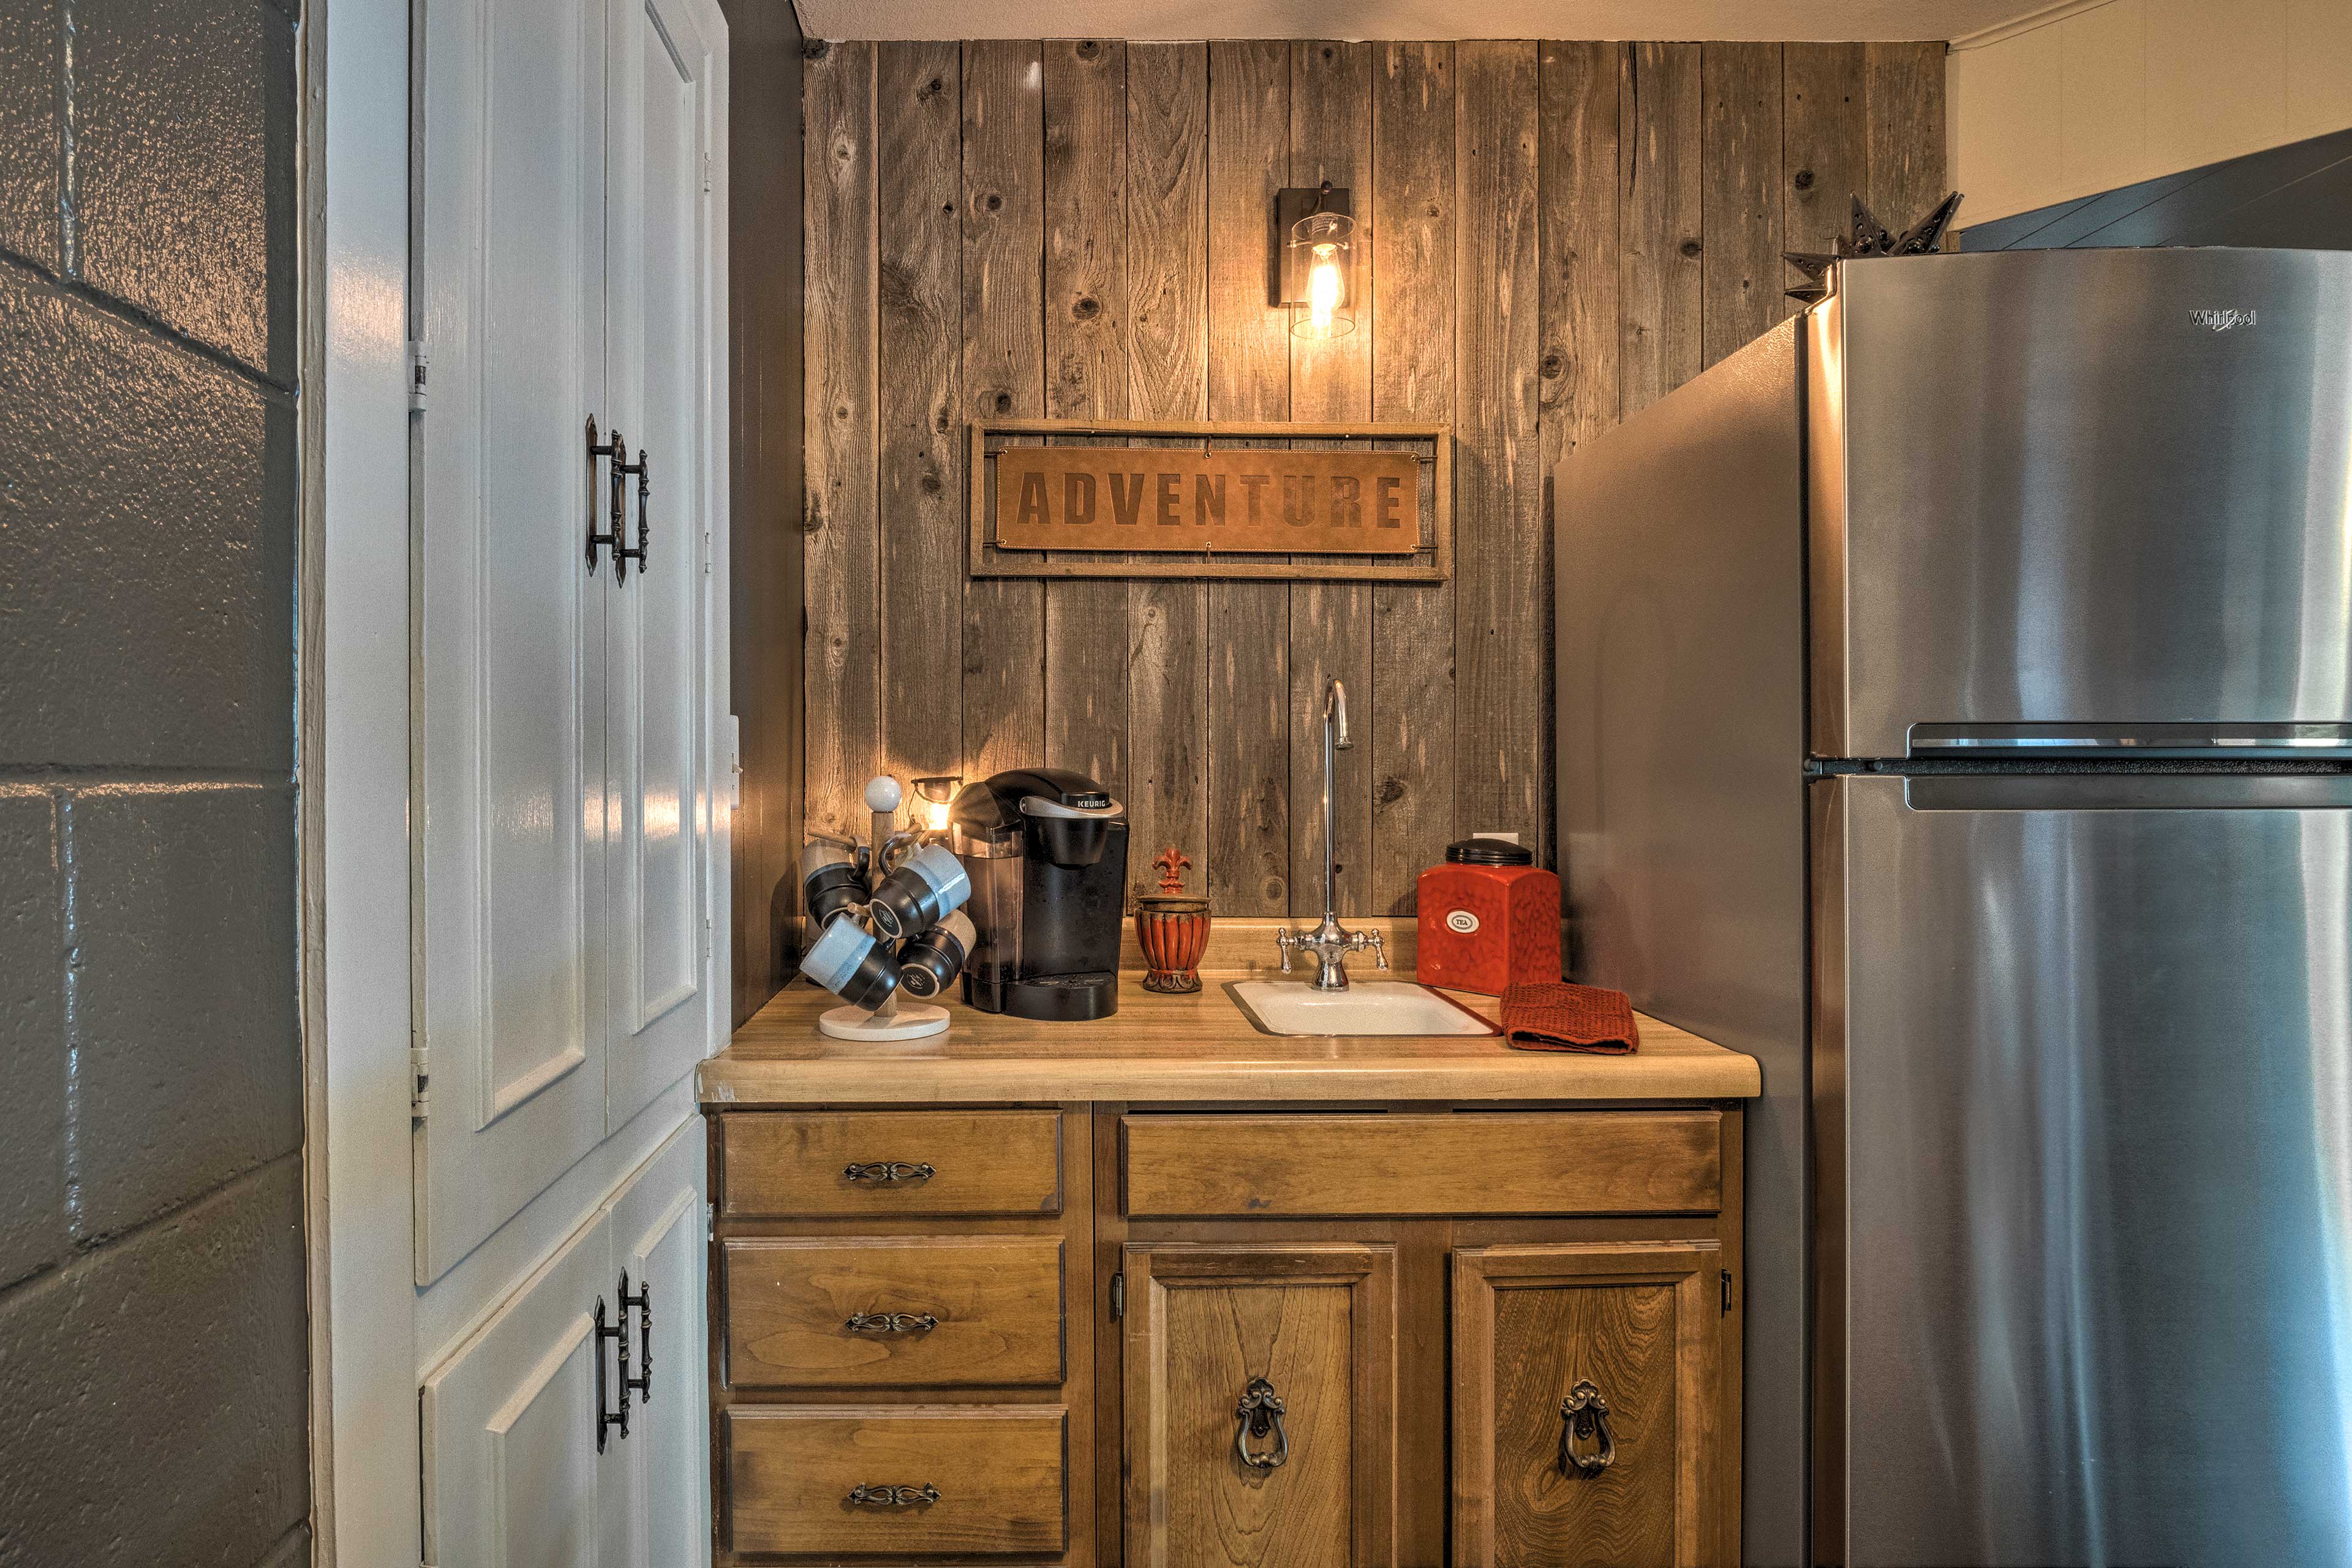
[[1583, 1415], [892, 1497], [891, 1323], [1259, 1412], [890, 1172]]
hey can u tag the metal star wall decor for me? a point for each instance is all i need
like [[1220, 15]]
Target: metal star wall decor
[[1870, 238]]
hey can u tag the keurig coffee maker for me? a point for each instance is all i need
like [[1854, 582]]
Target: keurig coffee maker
[[1045, 851]]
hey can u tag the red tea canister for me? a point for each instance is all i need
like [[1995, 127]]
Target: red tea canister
[[1489, 920]]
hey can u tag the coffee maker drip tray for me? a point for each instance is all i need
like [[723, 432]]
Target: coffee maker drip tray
[[1054, 998]]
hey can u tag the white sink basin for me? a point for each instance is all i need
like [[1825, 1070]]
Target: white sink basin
[[1366, 1007]]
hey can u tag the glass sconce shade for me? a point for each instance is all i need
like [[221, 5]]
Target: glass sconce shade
[[1325, 242]]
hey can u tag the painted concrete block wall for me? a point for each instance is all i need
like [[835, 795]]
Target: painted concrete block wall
[[153, 1352], [2093, 95]]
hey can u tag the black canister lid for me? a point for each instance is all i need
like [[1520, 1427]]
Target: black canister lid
[[1488, 852]]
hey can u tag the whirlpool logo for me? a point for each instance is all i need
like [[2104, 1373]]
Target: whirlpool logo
[[2222, 320]]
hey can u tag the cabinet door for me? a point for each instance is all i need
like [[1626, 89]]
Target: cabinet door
[[657, 1237], [511, 632], [514, 1474], [1628, 1336], [1213, 1331], [667, 113]]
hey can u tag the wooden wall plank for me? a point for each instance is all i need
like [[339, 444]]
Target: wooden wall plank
[[1004, 377], [1331, 623], [1249, 378], [919, 99], [1412, 221], [1659, 282], [1502, 706], [1578, 370], [1740, 265], [841, 551], [1903, 91], [1167, 216], [1825, 148], [1086, 355]]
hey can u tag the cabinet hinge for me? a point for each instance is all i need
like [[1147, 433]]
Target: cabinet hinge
[[1726, 1289], [706, 173], [420, 365], [420, 1082], [1118, 1296], [706, 553]]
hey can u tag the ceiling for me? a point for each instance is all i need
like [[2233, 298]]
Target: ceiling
[[1840, 20]]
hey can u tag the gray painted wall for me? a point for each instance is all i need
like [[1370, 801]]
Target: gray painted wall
[[152, 1357]]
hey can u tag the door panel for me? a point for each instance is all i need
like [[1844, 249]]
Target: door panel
[[2085, 1187], [512, 1475], [2124, 516], [661, 270], [1204, 1324], [657, 1235], [510, 637], [1641, 1325]]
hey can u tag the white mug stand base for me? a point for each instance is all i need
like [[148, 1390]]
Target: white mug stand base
[[911, 1021]]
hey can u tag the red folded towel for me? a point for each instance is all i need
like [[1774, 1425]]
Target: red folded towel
[[1564, 1017]]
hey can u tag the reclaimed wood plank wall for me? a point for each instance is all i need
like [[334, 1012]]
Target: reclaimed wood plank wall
[[1561, 233]]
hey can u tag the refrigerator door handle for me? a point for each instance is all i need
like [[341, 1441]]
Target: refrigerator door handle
[[2123, 743], [2128, 791]]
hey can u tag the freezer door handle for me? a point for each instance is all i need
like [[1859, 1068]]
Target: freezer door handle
[[2128, 791]]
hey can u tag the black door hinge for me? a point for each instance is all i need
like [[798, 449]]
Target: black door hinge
[[1118, 1296], [1726, 1289]]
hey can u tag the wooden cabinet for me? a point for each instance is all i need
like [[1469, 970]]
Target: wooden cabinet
[[1259, 1339], [1587, 1405], [1261, 1405]]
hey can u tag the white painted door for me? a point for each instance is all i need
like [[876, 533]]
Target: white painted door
[[665, 117], [511, 749], [514, 1476], [659, 1235]]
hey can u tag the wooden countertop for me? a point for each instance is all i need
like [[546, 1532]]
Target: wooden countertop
[[1197, 1047]]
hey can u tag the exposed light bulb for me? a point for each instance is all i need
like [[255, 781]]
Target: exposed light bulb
[[1323, 288], [939, 815]]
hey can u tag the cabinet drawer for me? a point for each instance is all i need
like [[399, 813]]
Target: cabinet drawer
[[998, 1473], [1504, 1162], [861, 1164], [894, 1312]]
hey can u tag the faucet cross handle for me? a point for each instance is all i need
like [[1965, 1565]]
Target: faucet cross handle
[[1379, 947], [1289, 941]]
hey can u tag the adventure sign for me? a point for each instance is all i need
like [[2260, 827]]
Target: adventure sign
[[1132, 498]]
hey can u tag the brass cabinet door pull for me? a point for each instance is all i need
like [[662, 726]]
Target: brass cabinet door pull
[[892, 1497], [1259, 1412], [1583, 1415], [891, 1323], [890, 1172]]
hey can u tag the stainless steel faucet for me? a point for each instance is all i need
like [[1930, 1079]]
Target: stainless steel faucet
[[1329, 941]]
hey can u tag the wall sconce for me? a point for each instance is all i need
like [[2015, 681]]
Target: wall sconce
[[937, 793], [1315, 235]]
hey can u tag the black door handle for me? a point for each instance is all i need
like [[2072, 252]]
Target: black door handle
[[643, 1301], [606, 1420], [622, 555], [618, 451]]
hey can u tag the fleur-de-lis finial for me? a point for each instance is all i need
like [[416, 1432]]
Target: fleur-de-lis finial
[[1172, 862]]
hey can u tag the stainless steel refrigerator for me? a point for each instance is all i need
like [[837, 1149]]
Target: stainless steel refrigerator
[[1956, 713]]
